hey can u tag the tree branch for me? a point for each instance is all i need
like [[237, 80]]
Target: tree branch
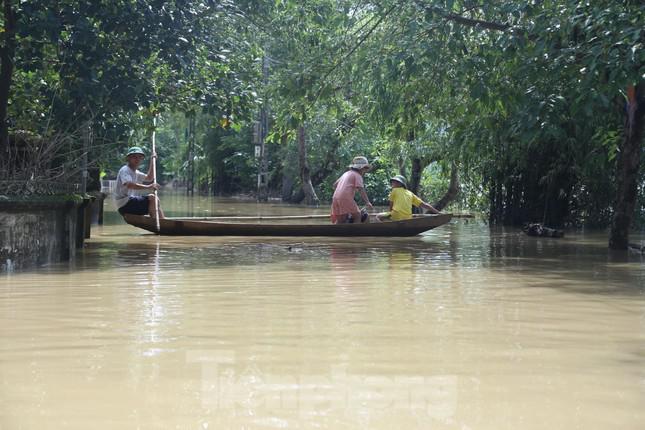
[[470, 22], [351, 51], [476, 22]]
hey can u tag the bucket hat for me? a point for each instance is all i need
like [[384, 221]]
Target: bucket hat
[[400, 179], [359, 163], [134, 150]]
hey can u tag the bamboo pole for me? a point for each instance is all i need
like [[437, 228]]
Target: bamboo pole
[[281, 217]]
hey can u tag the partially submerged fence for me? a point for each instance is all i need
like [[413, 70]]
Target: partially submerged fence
[[37, 188]]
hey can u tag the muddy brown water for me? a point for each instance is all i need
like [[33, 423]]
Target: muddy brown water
[[462, 328]]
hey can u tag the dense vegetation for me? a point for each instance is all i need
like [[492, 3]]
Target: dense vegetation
[[534, 110]]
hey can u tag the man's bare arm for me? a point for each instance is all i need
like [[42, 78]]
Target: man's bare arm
[[133, 186], [363, 194]]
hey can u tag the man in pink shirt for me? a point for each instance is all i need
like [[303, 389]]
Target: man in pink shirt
[[343, 207]]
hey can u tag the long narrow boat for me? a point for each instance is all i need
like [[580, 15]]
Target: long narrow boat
[[309, 225]]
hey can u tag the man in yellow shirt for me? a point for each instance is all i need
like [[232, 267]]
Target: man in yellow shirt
[[402, 200]]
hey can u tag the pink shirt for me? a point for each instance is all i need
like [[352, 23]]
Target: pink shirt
[[343, 198]]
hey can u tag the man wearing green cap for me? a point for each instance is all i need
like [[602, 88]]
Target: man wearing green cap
[[130, 181]]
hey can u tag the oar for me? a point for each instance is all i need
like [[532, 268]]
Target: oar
[[263, 217], [154, 168], [259, 217]]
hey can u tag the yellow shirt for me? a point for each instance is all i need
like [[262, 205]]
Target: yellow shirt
[[402, 202]]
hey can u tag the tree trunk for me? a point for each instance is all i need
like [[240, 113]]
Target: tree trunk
[[415, 175], [263, 176], [496, 203], [298, 197], [318, 177], [453, 189], [7, 52], [329, 164], [190, 171], [401, 164], [287, 187], [417, 167], [627, 167], [305, 174]]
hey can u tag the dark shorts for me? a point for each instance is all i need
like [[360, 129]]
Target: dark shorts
[[136, 205], [364, 216]]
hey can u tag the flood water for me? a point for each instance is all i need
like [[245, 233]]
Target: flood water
[[462, 328]]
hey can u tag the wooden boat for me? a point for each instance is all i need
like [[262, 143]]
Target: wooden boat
[[310, 225]]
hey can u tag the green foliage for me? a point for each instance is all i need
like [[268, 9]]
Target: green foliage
[[116, 63], [526, 98]]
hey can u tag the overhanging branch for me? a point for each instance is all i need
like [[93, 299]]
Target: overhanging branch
[[476, 22], [470, 22]]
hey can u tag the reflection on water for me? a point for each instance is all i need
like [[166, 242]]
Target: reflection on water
[[464, 328]]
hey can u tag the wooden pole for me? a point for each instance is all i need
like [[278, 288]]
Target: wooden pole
[[259, 217], [86, 145], [154, 168], [263, 193], [288, 217], [190, 185]]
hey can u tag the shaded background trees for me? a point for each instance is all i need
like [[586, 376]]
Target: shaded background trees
[[532, 109]]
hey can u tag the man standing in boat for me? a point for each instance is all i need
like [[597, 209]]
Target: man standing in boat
[[343, 206], [130, 183]]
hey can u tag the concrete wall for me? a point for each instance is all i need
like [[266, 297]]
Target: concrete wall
[[35, 233]]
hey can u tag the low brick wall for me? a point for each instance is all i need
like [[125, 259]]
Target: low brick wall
[[33, 233]]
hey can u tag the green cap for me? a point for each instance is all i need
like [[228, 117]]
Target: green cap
[[400, 179], [134, 150]]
